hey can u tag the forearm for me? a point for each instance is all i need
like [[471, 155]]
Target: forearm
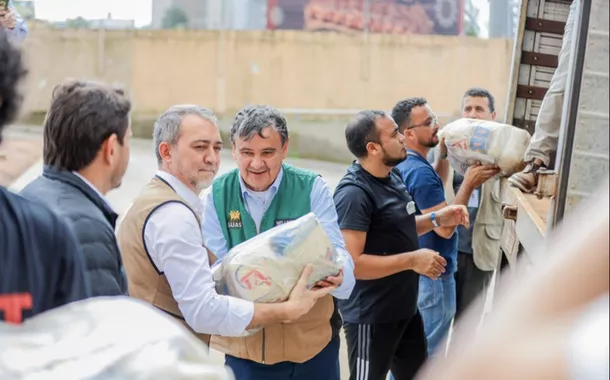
[[424, 225], [372, 267], [461, 198], [463, 195], [441, 166], [266, 314]]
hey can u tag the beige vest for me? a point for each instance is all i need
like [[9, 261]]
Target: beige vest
[[144, 281], [487, 231], [295, 342]]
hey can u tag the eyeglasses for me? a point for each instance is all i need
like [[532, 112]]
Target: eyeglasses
[[428, 123]]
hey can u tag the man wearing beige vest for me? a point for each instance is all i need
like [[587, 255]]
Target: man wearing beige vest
[[264, 191], [161, 240], [478, 245]]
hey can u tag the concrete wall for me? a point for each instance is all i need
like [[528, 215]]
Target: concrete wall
[[225, 70]]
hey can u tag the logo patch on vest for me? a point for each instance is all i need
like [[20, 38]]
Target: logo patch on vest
[[234, 219], [282, 221]]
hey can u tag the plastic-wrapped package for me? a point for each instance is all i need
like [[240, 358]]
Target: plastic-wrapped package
[[266, 267], [104, 338], [470, 140]]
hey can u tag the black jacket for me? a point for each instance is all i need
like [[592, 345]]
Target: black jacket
[[93, 223], [41, 266]]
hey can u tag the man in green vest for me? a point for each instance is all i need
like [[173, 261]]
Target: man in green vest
[[260, 194]]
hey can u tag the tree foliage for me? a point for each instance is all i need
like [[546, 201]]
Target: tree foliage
[[175, 18]]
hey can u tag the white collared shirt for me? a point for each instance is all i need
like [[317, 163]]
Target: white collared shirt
[[85, 180], [175, 245]]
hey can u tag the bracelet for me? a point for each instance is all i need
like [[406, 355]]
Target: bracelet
[[433, 219]]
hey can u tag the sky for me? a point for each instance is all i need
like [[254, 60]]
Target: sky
[[59, 10], [141, 10]]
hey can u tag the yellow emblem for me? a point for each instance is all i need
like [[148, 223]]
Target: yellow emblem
[[234, 216]]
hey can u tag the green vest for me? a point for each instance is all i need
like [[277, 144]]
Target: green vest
[[291, 201]]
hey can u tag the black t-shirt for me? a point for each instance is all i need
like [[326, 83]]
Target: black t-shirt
[[379, 207], [40, 264]]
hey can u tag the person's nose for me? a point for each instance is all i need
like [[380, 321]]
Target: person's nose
[[211, 158], [257, 163]]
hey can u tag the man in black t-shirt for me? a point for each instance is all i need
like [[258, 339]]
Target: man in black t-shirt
[[40, 264], [377, 219]]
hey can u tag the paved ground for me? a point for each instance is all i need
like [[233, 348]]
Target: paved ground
[[17, 154]]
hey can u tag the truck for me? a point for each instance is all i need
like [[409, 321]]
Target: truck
[[581, 162]]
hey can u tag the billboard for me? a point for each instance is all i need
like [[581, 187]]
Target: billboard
[[443, 17]]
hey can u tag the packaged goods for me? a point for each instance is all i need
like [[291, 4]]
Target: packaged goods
[[469, 141], [266, 267], [105, 338]]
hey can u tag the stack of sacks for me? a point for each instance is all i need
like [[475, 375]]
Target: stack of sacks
[[470, 141]]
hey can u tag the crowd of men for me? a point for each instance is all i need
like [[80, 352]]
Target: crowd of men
[[413, 258]]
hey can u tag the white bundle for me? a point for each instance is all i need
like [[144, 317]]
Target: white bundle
[[267, 267], [101, 338], [469, 141]]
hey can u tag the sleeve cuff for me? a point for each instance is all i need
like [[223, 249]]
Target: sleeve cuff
[[345, 289], [241, 313]]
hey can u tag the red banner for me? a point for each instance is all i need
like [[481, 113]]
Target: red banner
[[443, 17]]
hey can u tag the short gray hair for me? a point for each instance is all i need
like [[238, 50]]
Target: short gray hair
[[252, 119], [167, 126]]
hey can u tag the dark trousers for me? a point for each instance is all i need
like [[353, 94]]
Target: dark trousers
[[374, 350], [324, 366], [470, 282]]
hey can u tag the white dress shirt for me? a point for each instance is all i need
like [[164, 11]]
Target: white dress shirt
[[175, 244]]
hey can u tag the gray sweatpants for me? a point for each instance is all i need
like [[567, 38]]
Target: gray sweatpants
[[546, 133]]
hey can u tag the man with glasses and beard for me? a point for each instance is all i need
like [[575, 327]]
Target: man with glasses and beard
[[437, 296], [377, 217]]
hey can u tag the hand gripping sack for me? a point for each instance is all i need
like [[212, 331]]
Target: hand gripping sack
[[267, 267], [471, 140]]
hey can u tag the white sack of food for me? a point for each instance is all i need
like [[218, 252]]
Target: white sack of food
[[266, 267], [105, 338], [469, 141]]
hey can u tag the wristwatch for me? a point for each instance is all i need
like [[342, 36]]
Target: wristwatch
[[433, 219]]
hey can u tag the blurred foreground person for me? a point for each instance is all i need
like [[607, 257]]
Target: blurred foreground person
[[162, 244], [552, 321], [40, 264], [86, 152]]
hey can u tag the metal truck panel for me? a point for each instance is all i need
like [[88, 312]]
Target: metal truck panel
[[584, 145]]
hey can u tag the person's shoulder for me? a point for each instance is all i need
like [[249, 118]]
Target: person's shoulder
[[354, 178], [33, 215], [300, 172]]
